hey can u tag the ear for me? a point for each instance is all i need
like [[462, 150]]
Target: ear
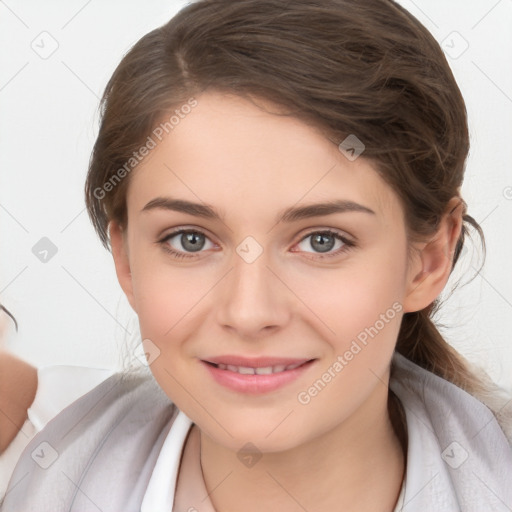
[[432, 261], [120, 253]]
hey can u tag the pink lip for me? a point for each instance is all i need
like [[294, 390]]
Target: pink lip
[[255, 362], [255, 384]]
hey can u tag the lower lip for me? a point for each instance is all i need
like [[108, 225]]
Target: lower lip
[[255, 384]]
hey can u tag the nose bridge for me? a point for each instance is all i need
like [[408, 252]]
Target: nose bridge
[[253, 298]]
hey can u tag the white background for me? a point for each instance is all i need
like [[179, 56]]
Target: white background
[[71, 309]]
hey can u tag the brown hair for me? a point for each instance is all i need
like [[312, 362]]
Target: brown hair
[[363, 67]]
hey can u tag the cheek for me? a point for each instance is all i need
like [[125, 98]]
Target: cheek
[[364, 309], [164, 298], [367, 290], [169, 299], [169, 302]]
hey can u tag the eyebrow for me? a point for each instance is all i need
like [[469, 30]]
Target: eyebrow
[[288, 215]]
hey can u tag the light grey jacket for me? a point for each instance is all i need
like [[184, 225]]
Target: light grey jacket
[[99, 453]]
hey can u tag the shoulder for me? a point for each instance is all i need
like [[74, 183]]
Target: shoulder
[[57, 386], [457, 452], [122, 398], [116, 429], [442, 399]]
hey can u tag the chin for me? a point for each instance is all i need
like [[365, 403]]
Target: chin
[[267, 436]]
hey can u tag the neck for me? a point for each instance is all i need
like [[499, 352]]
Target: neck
[[358, 466]]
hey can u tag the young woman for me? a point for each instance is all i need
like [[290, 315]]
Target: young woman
[[279, 183]]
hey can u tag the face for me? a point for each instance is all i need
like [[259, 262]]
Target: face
[[225, 260]]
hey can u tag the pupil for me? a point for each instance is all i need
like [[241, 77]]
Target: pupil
[[324, 242], [192, 242]]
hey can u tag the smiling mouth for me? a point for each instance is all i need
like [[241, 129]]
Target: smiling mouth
[[261, 370]]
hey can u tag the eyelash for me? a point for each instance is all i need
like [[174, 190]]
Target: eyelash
[[347, 244]]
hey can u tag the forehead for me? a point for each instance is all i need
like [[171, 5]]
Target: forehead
[[227, 149]]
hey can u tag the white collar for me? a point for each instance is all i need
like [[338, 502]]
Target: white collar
[[159, 495]]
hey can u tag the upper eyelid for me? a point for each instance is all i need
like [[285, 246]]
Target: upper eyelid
[[181, 230]]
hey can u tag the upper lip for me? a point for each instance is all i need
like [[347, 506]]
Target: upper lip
[[256, 362]]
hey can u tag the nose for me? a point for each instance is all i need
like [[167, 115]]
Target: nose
[[253, 300]]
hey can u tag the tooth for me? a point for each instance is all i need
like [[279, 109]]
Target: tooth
[[267, 370], [244, 370]]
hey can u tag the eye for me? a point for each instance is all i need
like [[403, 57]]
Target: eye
[[184, 241], [323, 242]]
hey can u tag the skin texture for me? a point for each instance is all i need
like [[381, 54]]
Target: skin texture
[[18, 385], [250, 165]]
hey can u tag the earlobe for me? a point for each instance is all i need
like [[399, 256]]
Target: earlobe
[[432, 265], [120, 253]]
